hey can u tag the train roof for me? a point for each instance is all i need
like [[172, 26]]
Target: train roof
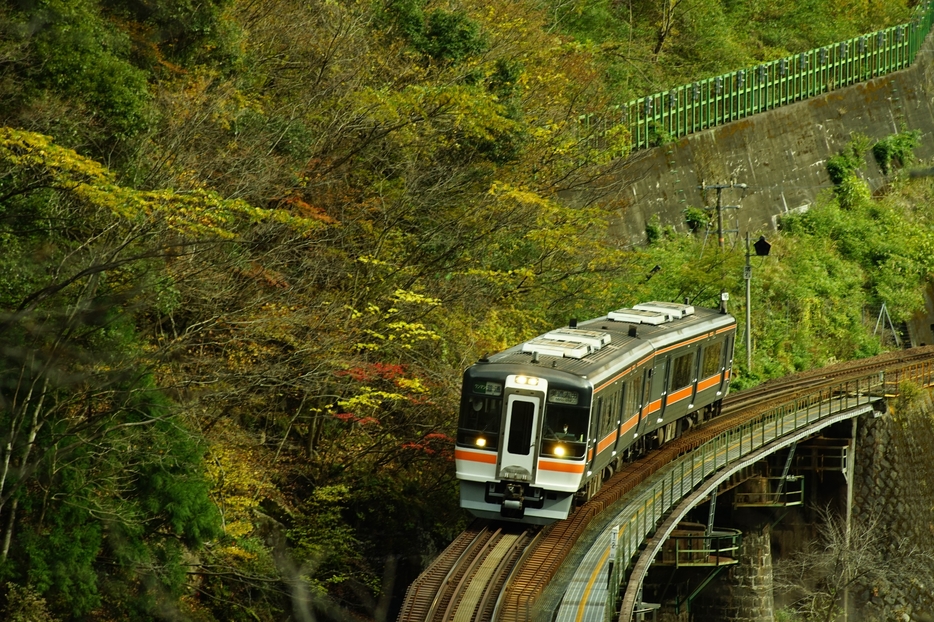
[[595, 348]]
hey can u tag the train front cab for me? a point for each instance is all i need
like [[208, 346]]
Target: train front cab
[[521, 445]]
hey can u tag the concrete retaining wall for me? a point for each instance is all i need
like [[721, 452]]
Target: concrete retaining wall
[[780, 155]]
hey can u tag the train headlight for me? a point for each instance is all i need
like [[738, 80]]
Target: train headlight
[[481, 442], [527, 380], [560, 450]]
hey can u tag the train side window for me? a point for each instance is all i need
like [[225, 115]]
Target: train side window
[[681, 376], [609, 417], [712, 356], [605, 406], [624, 390], [632, 404], [598, 417]]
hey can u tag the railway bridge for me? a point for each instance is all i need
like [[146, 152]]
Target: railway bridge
[[635, 536], [593, 566]]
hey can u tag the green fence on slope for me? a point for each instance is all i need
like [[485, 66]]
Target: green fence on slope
[[669, 115]]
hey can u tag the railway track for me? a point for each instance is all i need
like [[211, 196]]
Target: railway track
[[498, 571], [464, 583]]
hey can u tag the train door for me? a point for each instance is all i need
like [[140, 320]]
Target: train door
[[726, 363], [662, 381], [695, 377], [645, 394], [517, 457], [596, 430]]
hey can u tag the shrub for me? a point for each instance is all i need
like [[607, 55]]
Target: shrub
[[896, 149], [850, 158], [696, 218], [24, 604]]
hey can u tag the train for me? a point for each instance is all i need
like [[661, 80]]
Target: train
[[543, 424]]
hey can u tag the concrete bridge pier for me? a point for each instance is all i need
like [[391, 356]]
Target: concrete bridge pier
[[744, 594]]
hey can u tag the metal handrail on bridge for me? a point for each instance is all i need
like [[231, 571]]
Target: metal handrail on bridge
[[696, 548], [687, 472]]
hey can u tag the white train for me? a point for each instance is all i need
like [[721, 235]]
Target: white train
[[549, 420]]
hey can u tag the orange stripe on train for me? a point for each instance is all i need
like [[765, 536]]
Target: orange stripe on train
[[610, 438], [709, 382], [475, 456], [630, 424], [679, 395], [563, 467]]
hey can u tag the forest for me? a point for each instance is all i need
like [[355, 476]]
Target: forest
[[251, 245]]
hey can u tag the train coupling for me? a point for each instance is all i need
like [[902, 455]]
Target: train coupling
[[514, 498], [513, 501]]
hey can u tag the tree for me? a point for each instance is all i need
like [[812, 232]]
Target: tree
[[101, 481], [73, 62], [843, 559]]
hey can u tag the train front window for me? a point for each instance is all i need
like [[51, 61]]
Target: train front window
[[564, 434], [479, 421], [520, 427]]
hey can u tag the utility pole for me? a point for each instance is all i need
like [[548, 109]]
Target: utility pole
[[762, 248], [747, 275], [719, 188]]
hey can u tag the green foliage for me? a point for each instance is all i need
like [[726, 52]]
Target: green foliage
[[696, 218], [441, 35], [59, 560], [786, 615], [896, 150], [888, 242], [910, 397], [77, 54], [842, 168], [24, 604], [108, 484], [828, 266], [647, 47], [125, 510], [658, 136], [845, 164], [852, 191], [593, 21], [185, 31], [323, 540], [407, 16], [655, 231], [451, 36]]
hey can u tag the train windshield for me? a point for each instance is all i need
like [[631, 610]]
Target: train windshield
[[565, 431], [479, 421]]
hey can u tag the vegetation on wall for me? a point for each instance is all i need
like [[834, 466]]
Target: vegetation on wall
[[817, 296], [896, 150]]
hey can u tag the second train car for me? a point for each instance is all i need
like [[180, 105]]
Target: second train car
[[546, 422]]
